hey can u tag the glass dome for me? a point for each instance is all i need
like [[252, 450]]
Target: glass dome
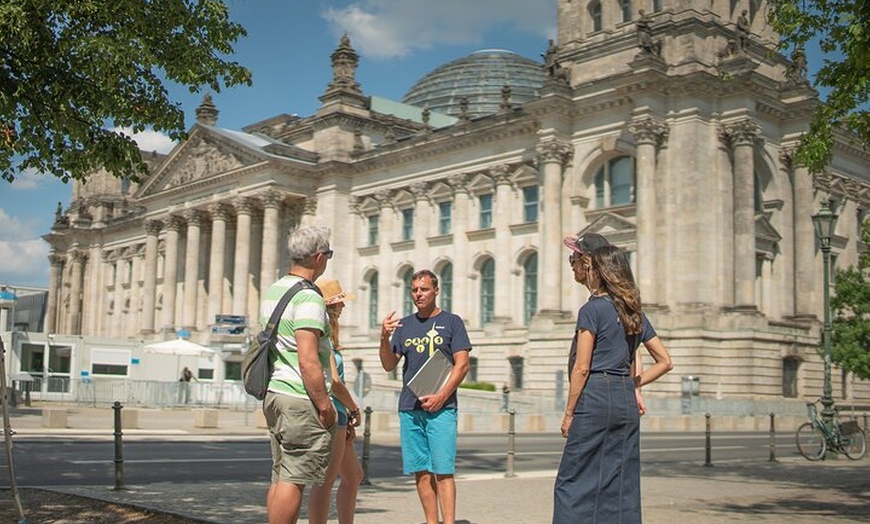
[[480, 78]]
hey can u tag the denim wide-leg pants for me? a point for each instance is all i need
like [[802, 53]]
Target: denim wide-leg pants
[[599, 475]]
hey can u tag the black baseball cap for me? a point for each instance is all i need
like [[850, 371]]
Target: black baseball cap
[[585, 243]]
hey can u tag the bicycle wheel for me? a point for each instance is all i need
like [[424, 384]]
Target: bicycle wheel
[[855, 444], [810, 441]]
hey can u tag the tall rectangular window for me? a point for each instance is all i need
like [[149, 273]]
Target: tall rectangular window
[[408, 224], [445, 215], [625, 5], [374, 321], [485, 211], [530, 203], [373, 229]]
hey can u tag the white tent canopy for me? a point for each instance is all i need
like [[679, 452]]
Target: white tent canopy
[[181, 348]]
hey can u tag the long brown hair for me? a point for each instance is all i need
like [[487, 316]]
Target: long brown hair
[[613, 270], [333, 311]]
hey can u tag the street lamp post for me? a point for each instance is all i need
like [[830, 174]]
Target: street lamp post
[[824, 222]]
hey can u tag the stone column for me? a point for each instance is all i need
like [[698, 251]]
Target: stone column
[[309, 212], [502, 209], [649, 134], [170, 272], [553, 154], [422, 211], [804, 253], [272, 202], [743, 137], [219, 214], [244, 209], [75, 300], [152, 229], [194, 220], [461, 264], [385, 262], [54, 286]]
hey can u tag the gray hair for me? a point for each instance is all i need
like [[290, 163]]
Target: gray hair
[[306, 241]]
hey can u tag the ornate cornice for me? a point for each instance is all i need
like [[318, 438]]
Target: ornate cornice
[[554, 150], [153, 227], [743, 133], [649, 131]]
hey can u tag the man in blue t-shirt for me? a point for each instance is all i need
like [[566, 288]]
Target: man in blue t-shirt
[[428, 424]]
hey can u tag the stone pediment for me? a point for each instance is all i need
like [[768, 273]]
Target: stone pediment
[[764, 230], [616, 229], [609, 223], [200, 158]]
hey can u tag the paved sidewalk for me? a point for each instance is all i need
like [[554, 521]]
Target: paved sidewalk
[[792, 491]]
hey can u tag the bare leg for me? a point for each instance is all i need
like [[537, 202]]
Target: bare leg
[[447, 497], [428, 495], [283, 502], [351, 474], [318, 501]]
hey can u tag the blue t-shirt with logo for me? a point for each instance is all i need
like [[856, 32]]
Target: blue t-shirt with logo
[[418, 338]]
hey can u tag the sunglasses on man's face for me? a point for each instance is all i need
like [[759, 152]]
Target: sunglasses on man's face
[[327, 253], [573, 259]]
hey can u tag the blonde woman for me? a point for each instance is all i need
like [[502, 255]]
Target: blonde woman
[[343, 461]]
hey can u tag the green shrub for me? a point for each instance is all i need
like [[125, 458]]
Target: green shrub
[[483, 386]]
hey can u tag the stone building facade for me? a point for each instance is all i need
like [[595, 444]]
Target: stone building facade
[[670, 132]]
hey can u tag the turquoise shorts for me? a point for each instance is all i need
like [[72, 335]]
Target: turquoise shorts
[[428, 441]]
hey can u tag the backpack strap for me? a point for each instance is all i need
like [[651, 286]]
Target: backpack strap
[[272, 327]]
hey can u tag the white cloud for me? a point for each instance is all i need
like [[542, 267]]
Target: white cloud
[[30, 179], [390, 28], [24, 262], [13, 229], [148, 140]]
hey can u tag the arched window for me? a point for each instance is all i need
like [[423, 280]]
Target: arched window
[[758, 195], [407, 300], [487, 291], [625, 6], [595, 16], [446, 285], [374, 321], [615, 183], [530, 287]]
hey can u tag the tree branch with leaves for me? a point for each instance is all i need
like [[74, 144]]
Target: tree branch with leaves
[[842, 29], [72, 69]]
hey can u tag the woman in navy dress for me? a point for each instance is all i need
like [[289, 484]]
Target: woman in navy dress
[[599, 475]]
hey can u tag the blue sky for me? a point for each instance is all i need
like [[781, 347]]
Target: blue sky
[[287, 49]]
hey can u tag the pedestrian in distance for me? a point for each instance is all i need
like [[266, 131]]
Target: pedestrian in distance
[[343, 462], [184, 383], [428, 427], [598, 480], [297, 407]]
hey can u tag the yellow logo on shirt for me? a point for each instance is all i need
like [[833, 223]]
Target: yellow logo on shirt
[[420, 344]]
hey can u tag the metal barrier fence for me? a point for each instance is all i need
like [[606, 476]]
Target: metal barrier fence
[[161, 394]]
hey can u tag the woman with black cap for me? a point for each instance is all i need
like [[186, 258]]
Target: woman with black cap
[[599, 474]]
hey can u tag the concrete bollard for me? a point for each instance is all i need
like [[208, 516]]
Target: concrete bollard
[[54, 418], [205, 418], [130, 418]]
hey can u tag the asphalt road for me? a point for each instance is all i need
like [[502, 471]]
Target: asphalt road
[[65, 463]]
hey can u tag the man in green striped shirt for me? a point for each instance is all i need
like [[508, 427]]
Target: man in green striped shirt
[[298, 409]]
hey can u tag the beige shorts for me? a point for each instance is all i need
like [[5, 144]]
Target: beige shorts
[[300, 444]]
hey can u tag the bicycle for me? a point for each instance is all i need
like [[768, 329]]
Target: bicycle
[[816, 437]]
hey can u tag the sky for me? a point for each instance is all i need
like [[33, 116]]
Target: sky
[[288, 51]]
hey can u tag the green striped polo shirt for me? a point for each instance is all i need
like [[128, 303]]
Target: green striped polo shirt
[[305, 310]]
